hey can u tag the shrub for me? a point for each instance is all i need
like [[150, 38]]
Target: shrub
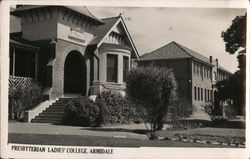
[[15, 102], [24, 99], [152, 89], [114, 108], [32, 96], [81, 112], [179, 110], [230, 111]]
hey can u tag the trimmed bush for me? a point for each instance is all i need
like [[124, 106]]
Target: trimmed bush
[[82, 112], [152, 89], [114, 108]]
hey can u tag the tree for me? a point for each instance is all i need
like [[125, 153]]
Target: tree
[[231, 89], [235, 36], [235, 42], [152, 90]]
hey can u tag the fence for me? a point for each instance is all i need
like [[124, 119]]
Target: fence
[[20, 83]]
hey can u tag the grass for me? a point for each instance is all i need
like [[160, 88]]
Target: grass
[[79, 140], [228, 132]]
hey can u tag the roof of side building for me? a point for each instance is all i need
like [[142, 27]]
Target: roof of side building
[[174, 50]]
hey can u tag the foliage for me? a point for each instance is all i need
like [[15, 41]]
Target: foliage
[[32, 96], [230, 111], [24, 99], [235, 35], [81, 112], [152, 89], [179, 110], [114, 108], [231, 88]]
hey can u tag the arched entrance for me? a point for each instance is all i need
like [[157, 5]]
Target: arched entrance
[[75, 74]]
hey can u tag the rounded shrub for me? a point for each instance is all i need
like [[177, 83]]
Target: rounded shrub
[[114, 108], [81, 112]]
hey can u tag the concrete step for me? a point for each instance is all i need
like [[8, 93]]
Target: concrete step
[[61, 102], [54, 113], [50, 115], [46, 121], [55, 109], [57, 106]]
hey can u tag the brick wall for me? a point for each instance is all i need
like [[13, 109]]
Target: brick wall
[[181, 69]]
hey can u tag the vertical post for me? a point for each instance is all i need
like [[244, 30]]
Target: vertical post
[[36, 65], [14, 61]]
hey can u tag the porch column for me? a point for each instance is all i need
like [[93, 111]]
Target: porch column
[[14, 61]]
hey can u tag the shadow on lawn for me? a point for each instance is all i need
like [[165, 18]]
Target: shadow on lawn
[[137, 131]]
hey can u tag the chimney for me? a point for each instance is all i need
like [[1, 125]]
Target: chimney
[[217, 63], [17, 6], [211, 59]]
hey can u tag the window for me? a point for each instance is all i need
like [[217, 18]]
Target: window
[[198, 93], [201, 70], [205, 72], [125, 67], [205, 91], [111, 68], [195, 97], [197, 69], [201, 94], [211, 95], [194, 67], [208, 97]]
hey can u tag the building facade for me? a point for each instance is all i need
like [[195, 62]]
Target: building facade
[[68, 50], [196, 75]]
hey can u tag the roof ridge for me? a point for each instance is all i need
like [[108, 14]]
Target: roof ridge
[[181, 47], [110, 17], [157, 49], [184, 48]]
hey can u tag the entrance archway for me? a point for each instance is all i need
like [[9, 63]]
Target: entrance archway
[[75, 74]]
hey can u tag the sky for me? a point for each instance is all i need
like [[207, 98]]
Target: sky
[[196, 28]]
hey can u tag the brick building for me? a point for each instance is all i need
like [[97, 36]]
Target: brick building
[[196, 74], [68, 50]]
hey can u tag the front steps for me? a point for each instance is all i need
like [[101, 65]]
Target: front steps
[[54, 113]]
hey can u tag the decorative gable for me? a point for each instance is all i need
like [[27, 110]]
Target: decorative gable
[[114, 31]]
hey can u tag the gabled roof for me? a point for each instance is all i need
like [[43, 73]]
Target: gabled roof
[[82, 10], [174, 50], [102, 30], [105, 29]]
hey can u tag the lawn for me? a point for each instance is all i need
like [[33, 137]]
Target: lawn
[[229, 132], [79, 140]]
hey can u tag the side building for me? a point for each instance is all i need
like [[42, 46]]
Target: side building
[[196, 74]]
